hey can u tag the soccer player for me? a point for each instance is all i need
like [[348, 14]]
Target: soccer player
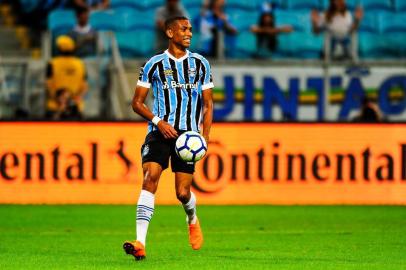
[[182, 87]]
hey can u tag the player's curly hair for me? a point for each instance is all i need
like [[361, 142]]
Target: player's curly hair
[[170, 21]]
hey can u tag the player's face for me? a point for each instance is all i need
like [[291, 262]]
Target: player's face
[[182, 33]]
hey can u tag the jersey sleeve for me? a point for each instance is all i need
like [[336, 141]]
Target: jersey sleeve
[[207, 78], [145, 77]]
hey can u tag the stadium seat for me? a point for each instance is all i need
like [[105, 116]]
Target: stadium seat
[[115, 4], [393, 22], [194, 47], [30, 5], [399, 5], [376, 46], [370, 23], [310, 46], [106, 20], [150, 4], [241, 4], [194, 13], [379, 5], [245, 46], [301, 4], [243, 20], [136, 19], [299, 20], [61, 21], [192, 3], [138, 43]]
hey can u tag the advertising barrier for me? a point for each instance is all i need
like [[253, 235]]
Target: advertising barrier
[[275, 93], [247, 163]]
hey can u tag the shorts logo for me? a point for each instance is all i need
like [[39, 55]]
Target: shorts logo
[[168, 72], [145, 150], [192, 71]]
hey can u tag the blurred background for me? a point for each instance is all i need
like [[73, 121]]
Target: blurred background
[[279, 60]]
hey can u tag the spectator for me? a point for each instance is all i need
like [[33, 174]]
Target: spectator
[[339, 22], [65, 72], [65, 109], [83, 34], [91, 4], [172, 8], [266, 33], [369, 113], [214, 20]]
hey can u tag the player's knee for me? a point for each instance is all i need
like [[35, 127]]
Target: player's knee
[[150, 182], [183, 196]]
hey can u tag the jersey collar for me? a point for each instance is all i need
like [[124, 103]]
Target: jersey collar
[[177, 59]]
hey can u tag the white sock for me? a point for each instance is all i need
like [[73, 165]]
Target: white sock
[[190, 209], [145, 210]]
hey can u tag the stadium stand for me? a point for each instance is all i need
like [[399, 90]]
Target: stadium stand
[[30, 5], [392, 22], [242, 19], [245, 45], [382, 25], [399, 5], [310, 45], [301, 4], [369, 24], [106, 20], [61, 21], [242, 4], [299, 20], [132, 19], [133, 43], [376, 5], [115, 4]]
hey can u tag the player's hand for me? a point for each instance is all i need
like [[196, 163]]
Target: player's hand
[[286, 29], [167, 130], [358, 13], [315, 17]]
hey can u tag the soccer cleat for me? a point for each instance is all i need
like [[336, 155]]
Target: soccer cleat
[[136, 249], [195, 235]]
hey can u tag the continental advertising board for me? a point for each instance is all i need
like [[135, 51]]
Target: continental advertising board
[[275, 93], [57, 163]]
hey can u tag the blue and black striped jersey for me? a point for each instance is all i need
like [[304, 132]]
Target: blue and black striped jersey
[[177, 86]]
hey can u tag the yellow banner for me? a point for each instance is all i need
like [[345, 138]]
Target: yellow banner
[[44, 162]]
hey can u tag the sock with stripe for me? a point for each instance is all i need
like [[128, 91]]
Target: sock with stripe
[[145, 210], [190, 209]]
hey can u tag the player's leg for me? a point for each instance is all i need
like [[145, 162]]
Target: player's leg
[[183, 182], [145, 209], [155, 157], [146, 202]]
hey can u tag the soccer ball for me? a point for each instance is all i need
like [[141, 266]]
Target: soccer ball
[[191, 146]]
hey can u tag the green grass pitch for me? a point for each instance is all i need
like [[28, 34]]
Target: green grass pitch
[[236, 237]]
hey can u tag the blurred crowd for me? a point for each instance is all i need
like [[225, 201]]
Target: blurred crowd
[[216, 31], [66, 73]]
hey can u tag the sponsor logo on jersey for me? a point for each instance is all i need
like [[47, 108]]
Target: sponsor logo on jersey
[[174, 84]]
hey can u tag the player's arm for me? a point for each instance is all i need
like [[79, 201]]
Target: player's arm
[[207, 95], [141, 108], [207, 113]]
